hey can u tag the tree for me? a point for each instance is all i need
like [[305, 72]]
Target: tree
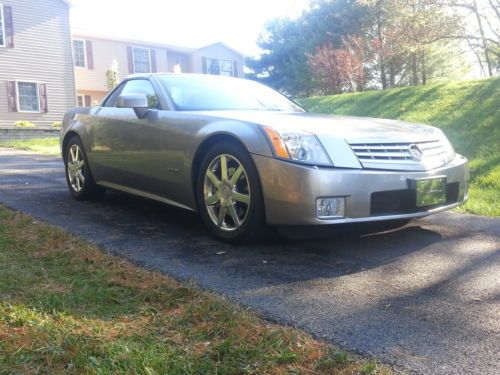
[[480, 29], [404, 35], [348, 45], [283, 64], [112, 76], [286, 43], [340, 69]]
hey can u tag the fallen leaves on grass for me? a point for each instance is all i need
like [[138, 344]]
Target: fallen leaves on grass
[[67, 307]]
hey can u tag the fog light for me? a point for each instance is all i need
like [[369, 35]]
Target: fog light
[[330, 208]]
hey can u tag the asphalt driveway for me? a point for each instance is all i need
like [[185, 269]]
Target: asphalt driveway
[[425, 297]]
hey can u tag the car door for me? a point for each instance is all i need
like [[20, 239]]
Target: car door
[[126, 150]]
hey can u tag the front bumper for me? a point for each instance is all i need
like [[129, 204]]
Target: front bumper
[[290, 191]]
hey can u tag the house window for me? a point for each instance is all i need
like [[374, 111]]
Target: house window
[[79, 53], [2, 27], [220, 67], [142, 60], [27, 97], [80, 101]]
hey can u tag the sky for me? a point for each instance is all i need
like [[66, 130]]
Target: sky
[[190, 23]]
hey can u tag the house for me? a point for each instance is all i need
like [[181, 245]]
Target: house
[[95, 54], [45, 70], [36, 69]]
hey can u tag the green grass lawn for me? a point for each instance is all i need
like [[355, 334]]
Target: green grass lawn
[[467, 111], [68, 308], [46, 146]]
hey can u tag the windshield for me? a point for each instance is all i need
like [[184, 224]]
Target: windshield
[[215, 93]]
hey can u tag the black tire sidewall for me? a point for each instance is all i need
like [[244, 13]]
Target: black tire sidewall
[[254, 226]]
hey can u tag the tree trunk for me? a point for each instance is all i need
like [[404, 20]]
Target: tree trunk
[[414, 69], [424, 72], [383, 76], [392, 76], [483, 39]]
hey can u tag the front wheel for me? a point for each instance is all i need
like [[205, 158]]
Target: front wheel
[[229, 194], [80, 181]]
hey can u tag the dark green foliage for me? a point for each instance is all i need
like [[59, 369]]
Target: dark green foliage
[[286, 42]]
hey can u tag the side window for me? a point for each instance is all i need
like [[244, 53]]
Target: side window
[[111, 99], [142, 86]]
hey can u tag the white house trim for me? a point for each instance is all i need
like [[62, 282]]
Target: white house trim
[[37, 95], [2, 18], [84, 52]]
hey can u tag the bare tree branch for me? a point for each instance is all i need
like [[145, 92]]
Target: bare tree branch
[[492, 29], [495, 7]]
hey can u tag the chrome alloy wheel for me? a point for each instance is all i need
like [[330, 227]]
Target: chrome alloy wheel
[[227, 192], [76, 168]]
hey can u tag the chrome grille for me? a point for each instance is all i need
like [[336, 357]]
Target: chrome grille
[[375, 155]]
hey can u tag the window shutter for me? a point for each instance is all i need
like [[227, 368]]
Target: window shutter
[[235, 68], [42, 90], [88, 100], [130, 59], [9, 26], [204, 65], [12, 96], [152, 55], [90, 55]]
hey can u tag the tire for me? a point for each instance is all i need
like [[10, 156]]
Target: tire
[[84, 186], [231, 197]]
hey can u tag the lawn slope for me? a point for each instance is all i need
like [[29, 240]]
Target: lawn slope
[[467, 111]]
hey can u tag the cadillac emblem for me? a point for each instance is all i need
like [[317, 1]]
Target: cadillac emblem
[[416, 152]]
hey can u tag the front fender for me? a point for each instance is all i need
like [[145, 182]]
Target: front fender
[[73, 125], [248, 134]]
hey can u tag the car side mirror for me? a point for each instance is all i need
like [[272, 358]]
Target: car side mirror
[[138, 102]]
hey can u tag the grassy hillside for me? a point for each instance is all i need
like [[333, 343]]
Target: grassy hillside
[[467, 111]]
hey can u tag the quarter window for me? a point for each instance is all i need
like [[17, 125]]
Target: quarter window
[[219, 67], [27, 96], [142, 60], [79, 53], [2, 27]]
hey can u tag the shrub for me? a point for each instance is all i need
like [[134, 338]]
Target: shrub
[[25, 124], [57, 124]]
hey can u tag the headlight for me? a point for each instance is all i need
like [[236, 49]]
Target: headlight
[[450, 151], [297, 145]]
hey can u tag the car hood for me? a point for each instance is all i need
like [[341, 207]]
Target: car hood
[[350, 128], [356, 142]]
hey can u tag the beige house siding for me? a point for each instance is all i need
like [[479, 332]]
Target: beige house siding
[[108, 52], [105, 53], [41, 53], [174, 58], [96, 97], [217, 51]]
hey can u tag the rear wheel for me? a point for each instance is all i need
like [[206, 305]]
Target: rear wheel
[[229, 194], [80, 182]]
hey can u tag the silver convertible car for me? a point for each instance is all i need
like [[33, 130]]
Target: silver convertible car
[[244, 156]]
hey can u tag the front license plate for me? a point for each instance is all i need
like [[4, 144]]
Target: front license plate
[[431, 191]]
